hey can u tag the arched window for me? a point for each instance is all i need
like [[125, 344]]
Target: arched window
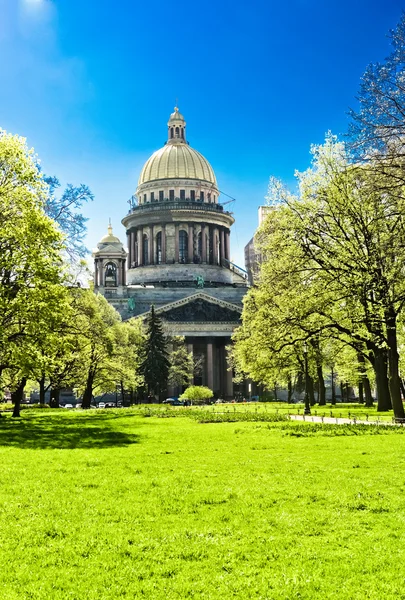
[[110, 275], [177, 132], [145, 250], [183, 246], [158, 257], [171, 132], [182, 133]]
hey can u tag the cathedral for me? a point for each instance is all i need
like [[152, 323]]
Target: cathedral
[[178, 257]]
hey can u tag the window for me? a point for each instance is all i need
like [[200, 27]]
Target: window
[[209, 196], [145, 250], [171, 133], [152, 196], [182, 194], [158, 258], [202, 196], [161, 196], [183, 246], [182, 133], [177, 132], [144, 197], [171, 194], [110, 275], [192, 195]]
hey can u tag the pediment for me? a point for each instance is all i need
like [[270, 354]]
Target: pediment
[[200, 308]]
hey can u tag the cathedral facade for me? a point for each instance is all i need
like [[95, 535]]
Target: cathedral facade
[[178, 257]]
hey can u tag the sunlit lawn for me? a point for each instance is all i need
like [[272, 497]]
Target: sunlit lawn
[[104, 505]]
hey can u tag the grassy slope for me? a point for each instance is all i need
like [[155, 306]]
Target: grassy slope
[[114, 505]]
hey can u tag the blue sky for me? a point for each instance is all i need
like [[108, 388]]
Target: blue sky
[[91, 84]]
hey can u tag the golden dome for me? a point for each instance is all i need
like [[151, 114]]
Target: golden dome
[[109, 238], [177, 161]]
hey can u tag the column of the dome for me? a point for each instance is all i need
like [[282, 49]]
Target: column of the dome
[[222, 246], [203, 245], [133, 258], [151, 245], [129, 245], [228, 245], [190, 242], [140, 246], [215, 243], [164, 243], [176, 242]]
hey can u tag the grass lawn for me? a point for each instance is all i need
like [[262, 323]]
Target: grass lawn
[[112, 504]]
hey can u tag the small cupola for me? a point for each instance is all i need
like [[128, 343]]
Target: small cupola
[[176, 132]]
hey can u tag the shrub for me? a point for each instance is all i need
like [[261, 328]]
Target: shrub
[[198, 394]]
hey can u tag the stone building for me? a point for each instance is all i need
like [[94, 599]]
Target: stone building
[[178, 256]]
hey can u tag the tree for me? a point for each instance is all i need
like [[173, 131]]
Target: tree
[[333, 270], [32, 296], [181, 363], [64, 211], [155, 365], [378, 128], [199, 394]]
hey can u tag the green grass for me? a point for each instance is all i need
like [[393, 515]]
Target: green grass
[[105, 505]]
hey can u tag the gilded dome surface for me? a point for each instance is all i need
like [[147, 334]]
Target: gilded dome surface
[[177, 161]]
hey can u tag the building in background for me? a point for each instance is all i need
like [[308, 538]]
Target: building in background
[[178, 257], [252, 256]]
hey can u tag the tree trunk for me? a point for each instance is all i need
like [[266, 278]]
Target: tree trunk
[[393, 364], [17, 397], [367, 391], [361, 392], [333, 389], [347, 392], [311, 392], [341, 391], [381, 380], [275, 392], [42, 390], [54, 399], [289, 383], [401, 382], [321, 386], [88, 392]]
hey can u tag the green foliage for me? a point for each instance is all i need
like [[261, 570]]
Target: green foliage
[[155, 364], [197, 394], [181, 363]]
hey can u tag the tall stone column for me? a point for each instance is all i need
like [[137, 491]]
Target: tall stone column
[[210, 366], [151, 245], [190, 350], [129, 244], [124, 279], [190, 243], [100, 272], [228, 244], [133, 258], [96, 273], [222, 246], [140, 246], [203, 244], [163, 244], [215, 246], [229, 382], [176, 243]]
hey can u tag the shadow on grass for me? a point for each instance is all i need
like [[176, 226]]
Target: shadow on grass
[[64, 432]]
